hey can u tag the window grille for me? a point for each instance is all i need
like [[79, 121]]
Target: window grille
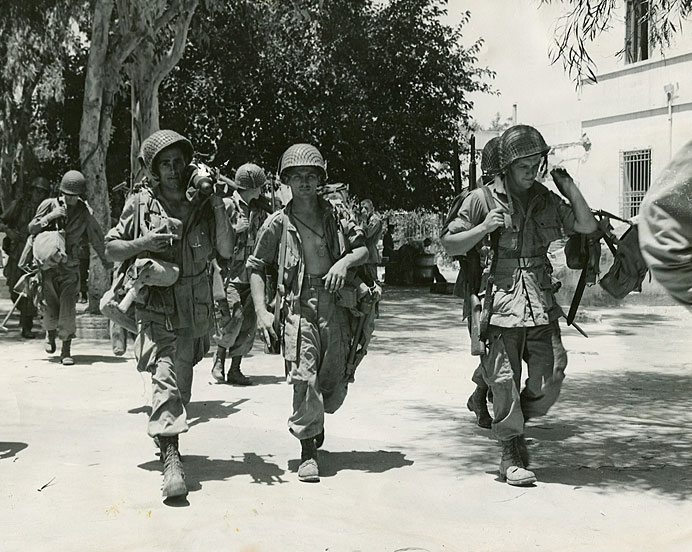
[[635, 170]]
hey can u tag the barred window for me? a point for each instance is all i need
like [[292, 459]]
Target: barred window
[[635, 170]]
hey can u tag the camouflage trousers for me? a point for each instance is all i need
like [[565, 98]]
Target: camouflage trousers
[[319, 375], [542, 350]]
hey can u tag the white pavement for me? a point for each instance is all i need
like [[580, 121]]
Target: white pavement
[[404, 467]]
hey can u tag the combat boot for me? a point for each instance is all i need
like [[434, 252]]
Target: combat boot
[[235, 376], [50, 341], [218, 371], [478, 405], [523, 450], [65, 353], [308, 470], [173, 474], [512, 468], [319, 440], [27, 323]]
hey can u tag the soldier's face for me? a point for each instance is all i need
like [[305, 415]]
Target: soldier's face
[[303, 181], [71, 199], [170, 164], [38, 195], [523, 172]]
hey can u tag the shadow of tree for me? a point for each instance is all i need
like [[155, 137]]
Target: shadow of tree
[[203, 411], [10, 449], [420, 315], [92, 359], [367, 461], [608, 431], [199, 469]]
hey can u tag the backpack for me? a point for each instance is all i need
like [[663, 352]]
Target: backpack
[[629, 269], [470, 268], [49, 249]]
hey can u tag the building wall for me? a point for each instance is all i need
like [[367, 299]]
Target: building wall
[[628, 110]]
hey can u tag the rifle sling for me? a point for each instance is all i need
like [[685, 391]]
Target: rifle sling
[[280, 276]]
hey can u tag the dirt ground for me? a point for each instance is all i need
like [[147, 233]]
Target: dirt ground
[[404, 467]]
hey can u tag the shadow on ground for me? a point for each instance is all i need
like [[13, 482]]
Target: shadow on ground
[[203, 411], [10, 449], [378, 461], [420, 315], [199, 469], [608, 431]]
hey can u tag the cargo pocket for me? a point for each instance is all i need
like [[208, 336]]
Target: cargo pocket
[[291, 337], [200, 245], [548, 228], [201, 306]]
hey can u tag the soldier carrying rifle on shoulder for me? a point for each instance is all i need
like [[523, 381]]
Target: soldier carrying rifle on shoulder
[[519, 311]]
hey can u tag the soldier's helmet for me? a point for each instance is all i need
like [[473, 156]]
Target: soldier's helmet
[[521, 141], [490, 158], [159, 141], [249, 176], [40, 183], [73, 183], [302, 155]]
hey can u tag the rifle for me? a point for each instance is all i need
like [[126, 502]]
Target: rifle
[[472, 164], [274, 346], [475, 307]]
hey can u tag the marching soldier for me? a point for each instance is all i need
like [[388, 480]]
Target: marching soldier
[[523, 218], [15, 223], [181, 226], [236, 319], [60, 284], [312, 252]]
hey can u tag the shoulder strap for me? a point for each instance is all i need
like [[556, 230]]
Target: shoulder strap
[[280, 276], [489, 199]]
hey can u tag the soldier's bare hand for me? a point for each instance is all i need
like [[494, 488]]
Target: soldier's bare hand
[[494, 220], [336, 277], [158, 242], [265, 325], [59, 211], [563, 180], [241, 224]]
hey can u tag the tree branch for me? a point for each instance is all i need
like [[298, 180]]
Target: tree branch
[[175, 53]]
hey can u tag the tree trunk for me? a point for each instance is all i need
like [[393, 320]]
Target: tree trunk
[[144, 102], [94, 135]]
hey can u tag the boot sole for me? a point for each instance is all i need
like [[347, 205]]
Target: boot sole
[[519, 482]]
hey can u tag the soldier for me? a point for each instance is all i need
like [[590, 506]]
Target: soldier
[[15, 223], [477, 402], [183, 227], [373, 229], [523, 313], [665, 229], [236, 320], [317, 251], [60, 284]]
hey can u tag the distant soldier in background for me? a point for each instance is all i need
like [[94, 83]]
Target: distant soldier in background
[[236, 322], [60, 284], [14, 221], [373, 228]]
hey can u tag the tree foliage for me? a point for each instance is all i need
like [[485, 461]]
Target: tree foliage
[[381, 89], [585, 20], [35, 45]]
